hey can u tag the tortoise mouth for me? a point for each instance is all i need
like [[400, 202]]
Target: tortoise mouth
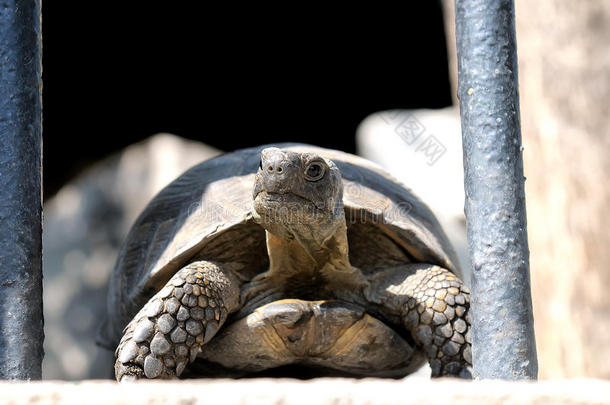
[[266, 202], [289, 216], [283, 198]]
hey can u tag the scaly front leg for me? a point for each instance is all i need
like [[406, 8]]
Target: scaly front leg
[[433, 305], [170, 329]]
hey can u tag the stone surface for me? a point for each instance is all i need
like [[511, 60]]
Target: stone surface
[[322, 391], [84, 225]]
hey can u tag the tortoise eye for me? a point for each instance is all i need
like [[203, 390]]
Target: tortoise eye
[[314, 171], [260, 164]]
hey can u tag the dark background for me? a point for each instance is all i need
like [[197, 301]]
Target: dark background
[[233, 77]]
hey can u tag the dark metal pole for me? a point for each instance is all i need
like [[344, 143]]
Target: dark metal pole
[[21, 332], [503, 328]]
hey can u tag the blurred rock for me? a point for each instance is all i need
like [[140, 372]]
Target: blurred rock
[[564, 84], [423, 149], [84, 226]]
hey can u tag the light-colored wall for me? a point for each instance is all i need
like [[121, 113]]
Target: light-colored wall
[[564, 82]]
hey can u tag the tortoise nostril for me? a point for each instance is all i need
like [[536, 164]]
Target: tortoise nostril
[[275, 168]]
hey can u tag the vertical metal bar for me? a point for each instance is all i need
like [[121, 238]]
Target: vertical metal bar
[[21, 324], [503, 331]]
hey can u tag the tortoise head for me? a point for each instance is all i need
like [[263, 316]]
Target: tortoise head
[[298, 195]]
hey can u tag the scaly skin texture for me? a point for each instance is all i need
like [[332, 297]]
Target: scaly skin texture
[[438, 318], [433, 305], [170, 329]]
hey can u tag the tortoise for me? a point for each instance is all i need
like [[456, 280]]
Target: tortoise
[[284, 255]]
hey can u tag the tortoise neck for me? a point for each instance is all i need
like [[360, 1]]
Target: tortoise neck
[[305, 254]]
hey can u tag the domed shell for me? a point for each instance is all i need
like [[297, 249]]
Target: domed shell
[[206, 213]]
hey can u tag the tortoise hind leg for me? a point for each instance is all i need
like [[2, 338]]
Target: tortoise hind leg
[[168, 332], [433, 305]]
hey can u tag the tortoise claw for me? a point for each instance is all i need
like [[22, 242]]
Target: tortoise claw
[[127, 378]]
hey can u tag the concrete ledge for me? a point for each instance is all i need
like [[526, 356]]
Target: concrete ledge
[[321, 391]]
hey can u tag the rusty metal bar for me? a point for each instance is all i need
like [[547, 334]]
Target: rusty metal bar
[[503, 331], [21, 323]]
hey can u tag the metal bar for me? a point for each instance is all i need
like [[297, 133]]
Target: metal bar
[[502, 322], [21, 324]]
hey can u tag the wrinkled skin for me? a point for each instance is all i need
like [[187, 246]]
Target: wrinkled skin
[[311, 307]]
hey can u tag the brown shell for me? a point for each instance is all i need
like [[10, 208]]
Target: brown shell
[[206, 212]]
